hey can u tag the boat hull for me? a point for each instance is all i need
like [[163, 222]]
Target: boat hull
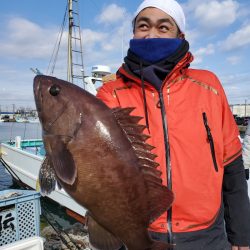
[[26, 166]]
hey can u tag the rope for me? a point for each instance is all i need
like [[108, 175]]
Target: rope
[[54, 55], [66, 239], [13, 174]]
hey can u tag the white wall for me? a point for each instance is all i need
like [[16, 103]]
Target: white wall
[[240, 109]]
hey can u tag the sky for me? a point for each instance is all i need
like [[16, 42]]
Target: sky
[[218, 32]]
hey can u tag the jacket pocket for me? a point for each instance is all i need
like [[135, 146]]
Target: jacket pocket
[[210, 140]]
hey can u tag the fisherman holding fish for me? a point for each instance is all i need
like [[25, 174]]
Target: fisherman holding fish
[[156, 160], [191, 126]]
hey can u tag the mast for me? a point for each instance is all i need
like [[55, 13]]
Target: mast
[[75, 56], [70, 24]]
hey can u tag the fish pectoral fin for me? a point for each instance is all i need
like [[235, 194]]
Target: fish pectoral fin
[[47, 178], [100, 238], [63, 162]]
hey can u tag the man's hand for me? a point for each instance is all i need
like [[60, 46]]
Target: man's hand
[[240, 248]]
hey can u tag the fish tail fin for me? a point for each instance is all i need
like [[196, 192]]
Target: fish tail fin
[[158, 245]]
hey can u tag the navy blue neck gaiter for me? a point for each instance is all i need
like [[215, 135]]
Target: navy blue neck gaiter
[[153, 50], [142, 53]]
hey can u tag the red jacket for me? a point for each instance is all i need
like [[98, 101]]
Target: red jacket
[[192, 98]]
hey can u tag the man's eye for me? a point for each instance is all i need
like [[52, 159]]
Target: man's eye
[[142, 26], [164, 28]]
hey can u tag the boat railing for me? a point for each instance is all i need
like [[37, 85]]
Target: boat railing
[[34, 146]]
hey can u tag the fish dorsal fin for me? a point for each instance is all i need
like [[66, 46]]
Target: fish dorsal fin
[[146, 159], [123, 115]]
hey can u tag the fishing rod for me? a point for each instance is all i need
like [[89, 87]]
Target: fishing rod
[[64, 236]]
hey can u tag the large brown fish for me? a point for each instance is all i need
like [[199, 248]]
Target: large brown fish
[[100, 157]]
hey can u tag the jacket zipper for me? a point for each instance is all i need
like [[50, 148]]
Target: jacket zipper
[[210, 140], [168, 161]]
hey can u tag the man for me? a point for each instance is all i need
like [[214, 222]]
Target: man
[[191, 126]]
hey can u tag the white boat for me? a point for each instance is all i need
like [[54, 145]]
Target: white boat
[[21, 119], [24, 158], [32, 119]]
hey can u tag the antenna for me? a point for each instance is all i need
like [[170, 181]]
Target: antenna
[[36, 71]]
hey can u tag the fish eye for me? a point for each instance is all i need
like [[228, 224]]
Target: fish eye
[[54, 90]]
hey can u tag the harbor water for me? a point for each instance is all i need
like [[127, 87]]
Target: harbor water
[[8, 132]]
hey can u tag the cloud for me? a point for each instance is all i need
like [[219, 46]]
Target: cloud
[[191, 36], [111, 14], [90, 37], [238, 39], [234, 60], [16, 86], [204, 51], [236, 86], [216, 14], [25, 39], [107, 48]]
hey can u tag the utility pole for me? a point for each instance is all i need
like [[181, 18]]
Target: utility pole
[[245, 107]]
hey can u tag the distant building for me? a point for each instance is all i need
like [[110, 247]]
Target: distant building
[[240, 109]]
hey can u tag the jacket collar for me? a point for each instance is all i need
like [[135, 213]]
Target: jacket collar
[[179, 69]]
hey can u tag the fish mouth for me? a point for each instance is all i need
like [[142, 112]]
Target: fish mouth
[[38, 95]]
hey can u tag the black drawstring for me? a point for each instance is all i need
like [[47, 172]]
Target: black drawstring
[[144, 96]]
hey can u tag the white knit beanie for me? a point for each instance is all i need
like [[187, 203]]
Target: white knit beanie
[[171, 7]]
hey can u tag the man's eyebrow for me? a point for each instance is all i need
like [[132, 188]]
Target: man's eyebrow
[[167, 20], [162, 20]]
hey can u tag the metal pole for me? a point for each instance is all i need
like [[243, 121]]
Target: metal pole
[[70, 10], [245, 107]]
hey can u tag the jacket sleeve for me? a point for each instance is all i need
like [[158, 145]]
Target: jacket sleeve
[[236, 203], [107, 95]]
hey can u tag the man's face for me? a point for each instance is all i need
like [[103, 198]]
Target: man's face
[[155, 23]]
